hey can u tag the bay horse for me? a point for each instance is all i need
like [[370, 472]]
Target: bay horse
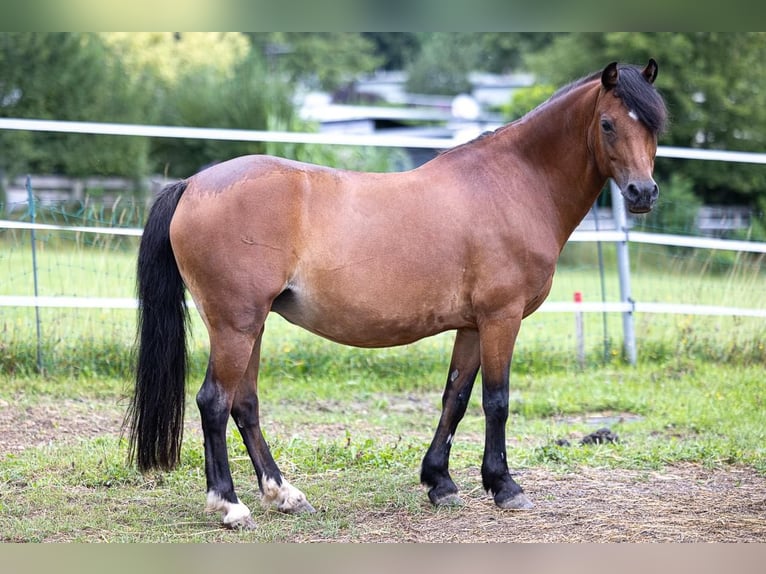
[[467, 242]]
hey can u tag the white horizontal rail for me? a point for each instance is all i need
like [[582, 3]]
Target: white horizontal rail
[[696, 242], [612, 236], [97, 128], [7, 224], [64, 302], [578, 236], [381, 140], [689, 309], [68, 302], [711, 154]]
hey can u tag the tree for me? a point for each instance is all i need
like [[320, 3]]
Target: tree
[[715, 88], [503, 52], [318, 60], [443, 64], [248, 98], [396, 49], [66, 76]]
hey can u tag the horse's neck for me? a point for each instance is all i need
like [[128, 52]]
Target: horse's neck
[[554, 141]]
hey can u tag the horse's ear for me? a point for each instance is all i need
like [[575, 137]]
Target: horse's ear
[[650, 72], [609, 76]]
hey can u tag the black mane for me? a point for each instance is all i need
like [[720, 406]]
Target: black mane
[[638, 95]]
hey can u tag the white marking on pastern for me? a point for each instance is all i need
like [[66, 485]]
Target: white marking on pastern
[[234, 514], [284, 496]]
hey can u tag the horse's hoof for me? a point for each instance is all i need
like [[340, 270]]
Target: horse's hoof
[[452, 499], [518, 502], [244, 523], [304, 507]]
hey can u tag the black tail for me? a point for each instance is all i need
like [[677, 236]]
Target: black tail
[[156, 412]]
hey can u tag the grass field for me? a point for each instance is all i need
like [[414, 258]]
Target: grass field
[[349, 427]]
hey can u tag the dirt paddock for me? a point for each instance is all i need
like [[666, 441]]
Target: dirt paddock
[[679, 504]]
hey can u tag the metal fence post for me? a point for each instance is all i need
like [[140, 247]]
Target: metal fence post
[[32, 217], [623, 268]]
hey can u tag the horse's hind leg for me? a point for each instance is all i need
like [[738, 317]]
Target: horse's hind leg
[[229, 352], [464, 366], [275, 490]]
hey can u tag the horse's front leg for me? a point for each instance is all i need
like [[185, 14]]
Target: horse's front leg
[[497, 339], [463, 369]]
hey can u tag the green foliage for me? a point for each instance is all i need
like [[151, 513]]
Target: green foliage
[[246, 98], [397, 49], [190, 79], [526, 99], [68, 76], [503, 52], [320, 60], [443, 64]]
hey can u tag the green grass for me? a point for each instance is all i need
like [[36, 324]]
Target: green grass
[[354, 444]]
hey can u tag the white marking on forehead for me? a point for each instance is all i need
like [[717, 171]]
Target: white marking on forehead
[[633, 115]]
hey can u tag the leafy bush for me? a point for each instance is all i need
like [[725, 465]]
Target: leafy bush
[[524, 100]]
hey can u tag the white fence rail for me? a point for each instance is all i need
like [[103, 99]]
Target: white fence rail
[[377, 140], [548, 306], [621, 236]]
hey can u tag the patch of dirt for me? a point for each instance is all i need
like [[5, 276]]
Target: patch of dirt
[[682, 503], [61, 421], [685, 503]]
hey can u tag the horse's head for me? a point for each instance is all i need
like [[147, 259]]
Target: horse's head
[[629, 116]]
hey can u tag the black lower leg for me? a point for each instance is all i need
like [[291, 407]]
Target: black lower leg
[[434, 471], [494, 470], [245, 413], [214, 412]]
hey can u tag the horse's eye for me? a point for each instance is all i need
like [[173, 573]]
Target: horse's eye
[[607, 126]]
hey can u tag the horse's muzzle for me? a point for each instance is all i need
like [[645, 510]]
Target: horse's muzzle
[[640, 196]]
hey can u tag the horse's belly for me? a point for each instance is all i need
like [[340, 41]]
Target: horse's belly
[[368, 322]]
